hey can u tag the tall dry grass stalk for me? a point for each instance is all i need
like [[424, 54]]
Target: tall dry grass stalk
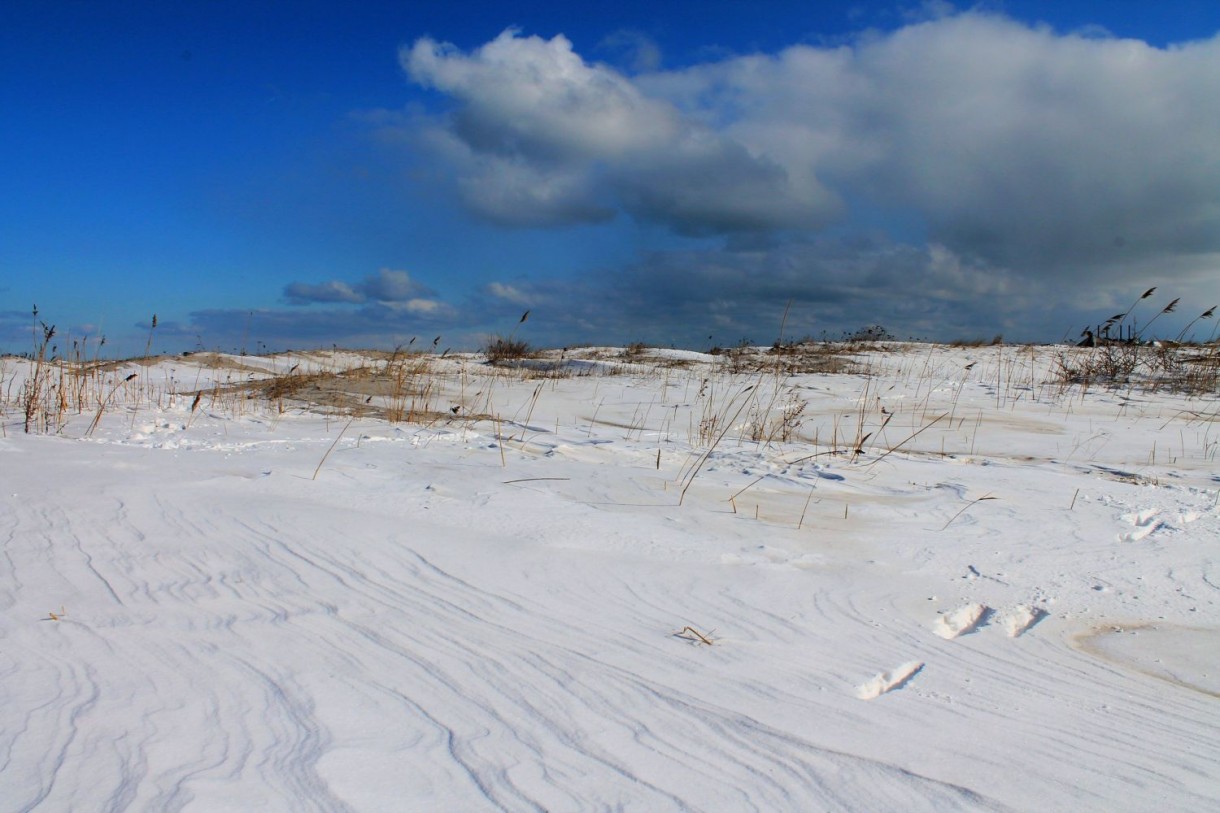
[[37, 383], [1138, 359]]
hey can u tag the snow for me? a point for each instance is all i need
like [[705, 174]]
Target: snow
[[602, 584]]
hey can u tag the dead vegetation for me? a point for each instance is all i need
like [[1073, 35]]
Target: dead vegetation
[[1121, 352]]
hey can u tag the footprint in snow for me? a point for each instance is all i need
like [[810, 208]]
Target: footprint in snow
[[884, 682], [960, 621], [1141, 519], [1016, 620], [1146, 522]]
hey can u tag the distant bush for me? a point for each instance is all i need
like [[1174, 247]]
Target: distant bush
[[871, 333], [500, 348], [994, 341], [635, 350]]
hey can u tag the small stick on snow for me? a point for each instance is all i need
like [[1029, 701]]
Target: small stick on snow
[[686, 632]]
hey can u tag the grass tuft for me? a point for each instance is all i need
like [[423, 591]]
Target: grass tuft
[[500, 349]]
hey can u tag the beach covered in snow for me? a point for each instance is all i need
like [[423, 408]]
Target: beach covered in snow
[[857, 578]]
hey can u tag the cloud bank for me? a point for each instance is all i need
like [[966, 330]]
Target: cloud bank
[[1009, 142], [1010, 152], [961, 176]]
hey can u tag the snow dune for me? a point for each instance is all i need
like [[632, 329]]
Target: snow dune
[[481, 615]]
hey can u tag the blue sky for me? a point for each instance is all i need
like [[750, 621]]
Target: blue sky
[[302, 174]]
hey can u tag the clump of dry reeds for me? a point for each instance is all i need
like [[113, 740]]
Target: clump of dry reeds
[[809, 356], [500, 349], [1122, 352], [32, 399], [635, 350]]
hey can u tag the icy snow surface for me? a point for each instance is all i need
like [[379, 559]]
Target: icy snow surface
[[511, 605]]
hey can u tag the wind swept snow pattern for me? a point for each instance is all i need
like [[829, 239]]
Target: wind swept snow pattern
[[244, 604]]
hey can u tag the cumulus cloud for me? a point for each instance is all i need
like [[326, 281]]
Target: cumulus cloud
[[1039, 150], [540, 137], [387, 286], [960, 176], [1029, 149]]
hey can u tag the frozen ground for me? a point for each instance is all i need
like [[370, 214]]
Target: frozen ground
[[658, 584]]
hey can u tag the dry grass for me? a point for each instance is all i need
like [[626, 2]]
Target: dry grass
[[749, 402], [500, 349], [1125, 353]]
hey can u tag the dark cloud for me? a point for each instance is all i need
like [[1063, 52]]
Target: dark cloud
[[683, 297], [829, 286], [709, 296]]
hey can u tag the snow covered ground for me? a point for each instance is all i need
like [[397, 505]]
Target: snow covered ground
[[944, 581]]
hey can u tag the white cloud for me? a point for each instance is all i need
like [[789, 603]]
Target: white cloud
[[964, 174], [301, 293], [1028, 148], [386, 286], [509, 293], [420, 307], [538, 98], [540, 137]]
